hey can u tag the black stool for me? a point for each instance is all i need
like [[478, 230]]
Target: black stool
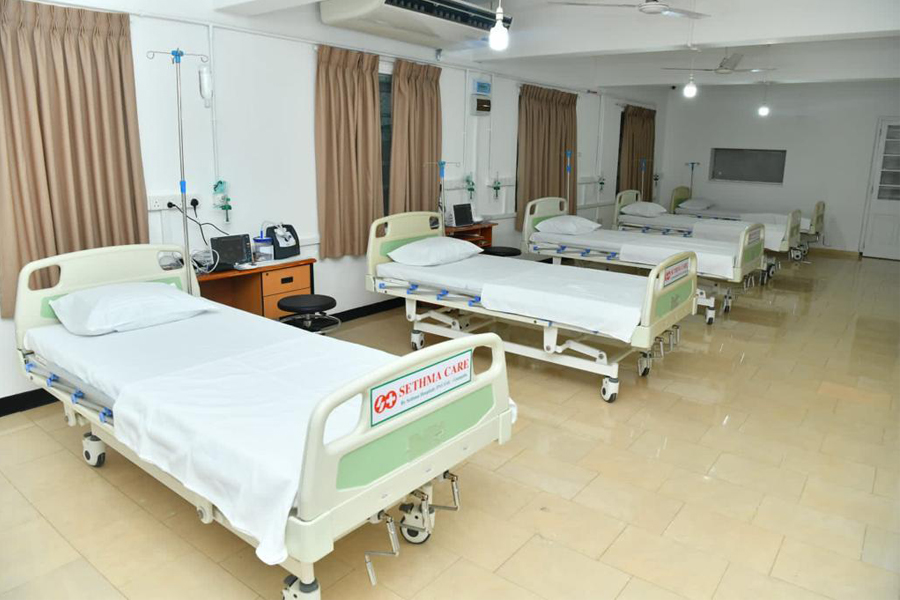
[[308, 312], [501, 251]]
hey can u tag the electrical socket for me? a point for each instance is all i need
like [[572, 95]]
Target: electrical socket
[[161, 201]]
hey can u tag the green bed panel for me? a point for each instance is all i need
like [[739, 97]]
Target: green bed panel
[[48, 313], [673, 298], [385, 454], [752, 253], [388, 247]]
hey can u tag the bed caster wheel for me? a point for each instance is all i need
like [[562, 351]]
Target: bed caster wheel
[[294, 589], [93, 450], [770, 272], [710, 316], [726, 306], [643, 365], [417, 340], [609, 390], [412, 525], [796, 254]]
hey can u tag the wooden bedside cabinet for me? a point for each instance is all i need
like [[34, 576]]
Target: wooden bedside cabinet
[[259, 290]]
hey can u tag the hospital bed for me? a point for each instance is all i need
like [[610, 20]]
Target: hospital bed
[[286, 428], [719, 263], [780, 238], [811, 228], [570, 306]]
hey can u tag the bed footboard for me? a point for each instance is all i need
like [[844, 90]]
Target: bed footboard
[[752, 256], [623, 199], [817, 223], [671, 295], [679, 194], [539, 210], [792, 229], [420, 415]]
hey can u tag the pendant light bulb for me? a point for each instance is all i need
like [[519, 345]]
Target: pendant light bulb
[[763, 110], [690, 90], [499, 36]]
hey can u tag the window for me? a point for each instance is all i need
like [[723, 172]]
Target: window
[[748, 166], [384, 89]]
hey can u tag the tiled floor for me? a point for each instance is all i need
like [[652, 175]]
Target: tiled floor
[[759, 461]]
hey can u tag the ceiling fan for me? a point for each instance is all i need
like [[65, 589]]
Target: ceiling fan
[[726, 67], [649, 7]]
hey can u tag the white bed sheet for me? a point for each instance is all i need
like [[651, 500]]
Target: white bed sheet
[[715, 258], [601, 301], [711, 229], [221, 402], [720, 212]]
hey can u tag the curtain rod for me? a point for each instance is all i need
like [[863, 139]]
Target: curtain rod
[[314, 43]]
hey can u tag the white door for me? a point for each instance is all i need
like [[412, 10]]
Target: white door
[[882, 234]]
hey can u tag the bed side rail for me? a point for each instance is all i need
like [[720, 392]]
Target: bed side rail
[[539, 210], [792, 229], [389, 233], [411, 409], [623, 199], [91, 268], [680, 194], [752, 248], [670, 285]]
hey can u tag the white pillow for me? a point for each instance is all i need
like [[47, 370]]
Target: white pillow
[[695, 204], [125, 307], [643, 209], [434, 251], [567, 225]]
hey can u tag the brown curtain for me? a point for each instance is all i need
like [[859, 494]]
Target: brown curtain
[[415, 137], [636, 151], [348, 150], [547, 130], [70, 159]]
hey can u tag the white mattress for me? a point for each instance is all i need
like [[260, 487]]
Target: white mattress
[[711, 229], [715, 258], [600, 301], [720, 212], [221, 402]]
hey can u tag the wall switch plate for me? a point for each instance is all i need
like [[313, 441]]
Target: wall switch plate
[[161, 201]]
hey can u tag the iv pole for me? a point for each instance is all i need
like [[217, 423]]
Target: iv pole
[[177, 54], [692, 165]]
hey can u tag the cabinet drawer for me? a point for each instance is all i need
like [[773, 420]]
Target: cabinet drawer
[[270, 303], [285, 280]]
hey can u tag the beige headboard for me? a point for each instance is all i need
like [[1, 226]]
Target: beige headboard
[[679, 195], [623, 199]]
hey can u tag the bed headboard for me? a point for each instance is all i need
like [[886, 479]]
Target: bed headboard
[[91, 268], [623, 199], [541, 210], [389, 233], [679, 195], [817, 223]]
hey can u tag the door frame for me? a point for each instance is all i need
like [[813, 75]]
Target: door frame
[[881, 126]]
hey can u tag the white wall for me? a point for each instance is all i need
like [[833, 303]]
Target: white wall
[[828, 131]]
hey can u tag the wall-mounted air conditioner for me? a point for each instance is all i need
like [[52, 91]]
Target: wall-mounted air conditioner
[[435, 23]]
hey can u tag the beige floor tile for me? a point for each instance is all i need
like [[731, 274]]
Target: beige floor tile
[[830, 468], [712, 494], [55, 472], [265, 580], [759, 476], [553, 443], [49, 417], [638, 589], [125, 548], [714, 415], [31, 550], [85, 508], [15, 510], [547, 474], [882, 549], [744, 445], [70, 437], [213, 539], [855, 394], [832, 574], [887, 483], [574, 525], [669, 424], [805, 524], [787, 433], [740, 583], [736, 541], [467, 580], [14, 422], [627, 466], [24, 445], [852, 504], [406, 574], [491, 492], [154, 497], [599, 428], [687, 455], [877, 455], [192, 576], [557, 573], [673, 566], [479, 537], [356, 586], [73, 581], [629, 503]]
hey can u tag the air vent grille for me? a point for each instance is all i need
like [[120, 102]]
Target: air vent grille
[[456, 12]]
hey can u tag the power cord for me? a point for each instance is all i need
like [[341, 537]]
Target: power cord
[[200, 225]]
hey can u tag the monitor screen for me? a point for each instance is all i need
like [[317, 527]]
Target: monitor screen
[[232, 249], [462, 215]]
